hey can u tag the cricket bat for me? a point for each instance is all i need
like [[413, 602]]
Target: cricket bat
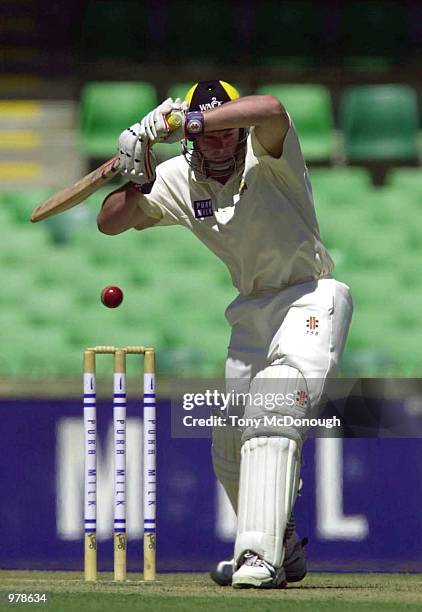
[[72, 196]]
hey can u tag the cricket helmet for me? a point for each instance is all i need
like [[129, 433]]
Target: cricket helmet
[[206, 95]]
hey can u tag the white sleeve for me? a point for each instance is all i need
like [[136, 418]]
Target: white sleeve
[[290, 167], [160, 203]]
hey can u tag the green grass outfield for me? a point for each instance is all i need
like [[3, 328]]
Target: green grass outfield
[[184, 592]]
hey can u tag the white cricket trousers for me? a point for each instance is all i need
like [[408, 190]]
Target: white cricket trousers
[[304, 326]]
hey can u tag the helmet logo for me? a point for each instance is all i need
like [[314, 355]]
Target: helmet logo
[[208, 105]]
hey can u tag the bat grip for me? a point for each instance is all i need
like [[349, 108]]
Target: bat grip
[[174, 120]]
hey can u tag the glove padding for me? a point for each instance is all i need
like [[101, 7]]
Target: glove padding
[[137, 161], [155, 127]]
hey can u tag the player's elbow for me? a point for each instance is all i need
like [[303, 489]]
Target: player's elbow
[[106, 220], [104, 227], [274, 108], [110, 227]]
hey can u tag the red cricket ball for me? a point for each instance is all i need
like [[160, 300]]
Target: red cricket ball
[[112, 296]]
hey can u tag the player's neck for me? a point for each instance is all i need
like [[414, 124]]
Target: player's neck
[[220, 178]]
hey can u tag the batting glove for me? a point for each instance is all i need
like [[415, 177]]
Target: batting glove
[[155, 125], [137, 162]]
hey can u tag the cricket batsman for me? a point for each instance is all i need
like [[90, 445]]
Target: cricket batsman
[[242, 187]]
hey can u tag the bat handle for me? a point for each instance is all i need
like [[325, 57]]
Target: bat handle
[[174, 120]]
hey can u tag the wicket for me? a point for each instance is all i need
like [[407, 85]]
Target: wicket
[[149, 461]]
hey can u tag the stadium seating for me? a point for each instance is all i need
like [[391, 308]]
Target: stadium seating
[[107, 106], [165, 274], [176, 290], [179, 90], [380, 122], [329, 184], [164, 151], [20, 204], [311, 111], [408, 180]]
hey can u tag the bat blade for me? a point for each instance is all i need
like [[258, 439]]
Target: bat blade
[[71, 196], [77, 193]]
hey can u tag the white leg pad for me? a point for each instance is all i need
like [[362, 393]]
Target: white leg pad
[[269, 475]]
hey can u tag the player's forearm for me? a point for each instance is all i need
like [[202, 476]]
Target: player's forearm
[[260, 110], [121, 211]]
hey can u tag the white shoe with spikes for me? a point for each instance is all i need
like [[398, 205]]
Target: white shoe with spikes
[[255, 572]]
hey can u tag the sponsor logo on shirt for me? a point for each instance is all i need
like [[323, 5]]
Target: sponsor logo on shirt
[[301, 398], [312, 325], [203, 208], [214, 102]]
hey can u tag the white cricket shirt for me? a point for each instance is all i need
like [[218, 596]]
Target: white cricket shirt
[[261, 223]]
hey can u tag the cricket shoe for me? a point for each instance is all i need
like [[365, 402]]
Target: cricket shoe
[[294, 563], [255, 572]]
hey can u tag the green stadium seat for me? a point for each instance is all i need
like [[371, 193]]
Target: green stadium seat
[[410, 264], [59, 266], [311, 110], [51, 306], [24, 245], [21, 288], [368, 294], [164, 151], [20, 204], [103, 249], [407, 180], [180, 360], [190, 345], [32, 352], [188, 299], [97, 325], [392, 207], [367, 362], [6, 222], [178, 90], [369, 328], [380, 122], [339, 185], [62, 227], [106, 109]]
